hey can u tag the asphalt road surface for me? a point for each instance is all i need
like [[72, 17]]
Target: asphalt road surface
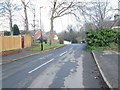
[[67, 67]]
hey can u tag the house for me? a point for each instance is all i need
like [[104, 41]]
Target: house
[[116, 22], [89, 26], [55, 37], [37, 35]]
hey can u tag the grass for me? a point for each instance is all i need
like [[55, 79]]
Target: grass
[[46, 46], [96, 48], [112, 46]]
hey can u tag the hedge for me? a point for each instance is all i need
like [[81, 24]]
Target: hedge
[[102, 37]]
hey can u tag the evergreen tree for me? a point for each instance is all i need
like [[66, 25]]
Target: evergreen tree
[[16, 30]]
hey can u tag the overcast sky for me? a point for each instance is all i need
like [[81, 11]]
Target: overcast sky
[[59, 24]]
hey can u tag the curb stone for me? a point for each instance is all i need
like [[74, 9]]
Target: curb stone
[[30, 55], [105, 79]]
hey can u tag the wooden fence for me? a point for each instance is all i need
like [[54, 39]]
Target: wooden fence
[[27, 41], [14, 42]]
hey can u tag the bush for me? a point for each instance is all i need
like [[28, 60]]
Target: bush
[[16, 30], [102, 37]]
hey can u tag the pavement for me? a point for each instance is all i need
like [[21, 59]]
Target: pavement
[[107, 62]]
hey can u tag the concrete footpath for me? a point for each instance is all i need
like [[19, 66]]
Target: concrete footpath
[[107, 62], [17, 56]]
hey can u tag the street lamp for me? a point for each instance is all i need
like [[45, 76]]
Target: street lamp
[[41, 32]]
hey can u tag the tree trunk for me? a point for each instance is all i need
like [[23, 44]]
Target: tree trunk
[[26, 19], [51, 32], [10, 22]]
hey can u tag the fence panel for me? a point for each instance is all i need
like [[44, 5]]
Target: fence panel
[[0, 43], [14, 42], [27, 40], [10, 43]]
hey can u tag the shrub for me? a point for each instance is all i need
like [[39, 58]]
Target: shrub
[[16, 30], [102, 37]]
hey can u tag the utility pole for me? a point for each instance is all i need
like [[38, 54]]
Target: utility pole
[[41, 40], [34, 25]]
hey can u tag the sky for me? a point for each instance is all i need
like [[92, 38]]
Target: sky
[[60, 24]]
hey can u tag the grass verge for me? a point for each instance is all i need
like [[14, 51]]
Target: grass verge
[[46, 46], [112, 46]]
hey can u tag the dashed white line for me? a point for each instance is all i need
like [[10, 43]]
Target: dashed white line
[[41, 66], [70, 49], [63, 53]]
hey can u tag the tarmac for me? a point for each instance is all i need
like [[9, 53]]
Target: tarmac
[[23, 54], [107, 62]]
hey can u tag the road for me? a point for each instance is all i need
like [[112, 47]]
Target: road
[[67, 67]]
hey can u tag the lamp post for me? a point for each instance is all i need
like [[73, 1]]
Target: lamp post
[[41, 40]]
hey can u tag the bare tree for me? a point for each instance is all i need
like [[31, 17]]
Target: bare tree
[[7, 9], [59, 9], [96, 12], [34, 25], [33, 10], [25, 5]]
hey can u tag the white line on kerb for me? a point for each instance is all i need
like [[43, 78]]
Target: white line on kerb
[[40, 66], [63, 53]]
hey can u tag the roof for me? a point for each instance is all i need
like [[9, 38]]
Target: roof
[[106, 24], [38, 35], [90, 26]]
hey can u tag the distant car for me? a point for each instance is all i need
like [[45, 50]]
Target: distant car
[[83, 41]]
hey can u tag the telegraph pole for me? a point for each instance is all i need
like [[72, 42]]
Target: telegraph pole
[[41, 40]]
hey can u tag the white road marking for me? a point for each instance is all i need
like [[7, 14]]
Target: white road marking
[[63, 53], [41, 66], [70, 49]]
